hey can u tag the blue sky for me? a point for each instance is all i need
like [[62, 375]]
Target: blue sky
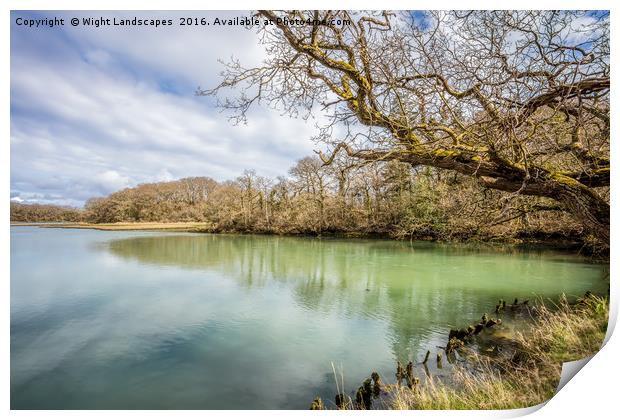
[[96, 110]]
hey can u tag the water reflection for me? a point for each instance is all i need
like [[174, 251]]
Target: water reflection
[[419, 289], [137, 320]]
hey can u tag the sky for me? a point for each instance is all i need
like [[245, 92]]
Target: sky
[[95, 110]]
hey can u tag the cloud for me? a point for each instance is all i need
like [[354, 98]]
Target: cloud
[[112, 180], [93, 111]]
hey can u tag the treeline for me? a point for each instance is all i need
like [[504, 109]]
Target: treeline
[[44, 213], [385, 198]]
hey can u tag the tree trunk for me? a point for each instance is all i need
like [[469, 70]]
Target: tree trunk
[[582, 202], [587, 207], [577, 198]]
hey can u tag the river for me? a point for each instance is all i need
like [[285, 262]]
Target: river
[[150, 320]]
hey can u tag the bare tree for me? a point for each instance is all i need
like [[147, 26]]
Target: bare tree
[[312, 178], [517, 99]]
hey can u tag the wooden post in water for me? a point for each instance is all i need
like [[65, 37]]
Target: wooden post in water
[[409, 373], [340, 400], [400, 373], [415, 383], [378, 385], [428, 373], [317, 404]]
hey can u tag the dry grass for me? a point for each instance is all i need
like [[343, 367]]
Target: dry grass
[[528, 375], [488, 390], [173, 226], [568, 332]]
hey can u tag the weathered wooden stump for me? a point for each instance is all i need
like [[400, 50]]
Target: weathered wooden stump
[[400, 373], [363, 396], [453, 344], [490, 323], [415, 382], [428, 353], [317, 404], [428, 372], [409, 373], [461, 334], [341, 401]]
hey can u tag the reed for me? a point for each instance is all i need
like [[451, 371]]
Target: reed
[[525, 376], [559, 333]]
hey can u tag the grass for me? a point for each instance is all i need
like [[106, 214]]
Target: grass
[[530, 376], [526, 375], [171, 226]]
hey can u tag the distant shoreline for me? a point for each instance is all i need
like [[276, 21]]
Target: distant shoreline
[[202, 227], [173, 226]]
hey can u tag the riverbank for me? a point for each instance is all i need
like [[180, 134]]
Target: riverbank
[[518, 372], [129, 226], [536, 240]]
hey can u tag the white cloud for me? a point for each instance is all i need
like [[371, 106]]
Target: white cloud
[[164, 175], [112, 180], [100, 118]]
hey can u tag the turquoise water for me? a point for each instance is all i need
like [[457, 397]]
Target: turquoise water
[[138, 320]]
